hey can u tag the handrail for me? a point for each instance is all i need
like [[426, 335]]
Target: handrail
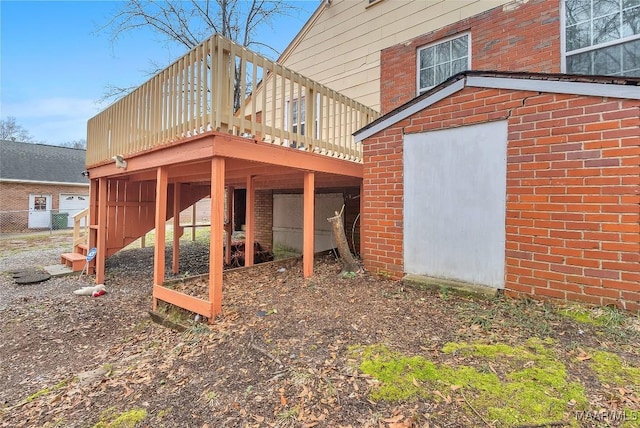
[[81, 233], [222, 86]]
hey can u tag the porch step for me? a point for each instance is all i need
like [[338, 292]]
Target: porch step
[[82, 249], [74, 261]]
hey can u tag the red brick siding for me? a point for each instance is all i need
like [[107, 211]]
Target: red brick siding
[[573, 192], [518, 38], [264, 218], [15, 197]]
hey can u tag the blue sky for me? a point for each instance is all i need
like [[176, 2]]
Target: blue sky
[[55, 65]]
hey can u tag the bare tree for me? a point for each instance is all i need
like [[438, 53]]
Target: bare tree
[[10, 130], [188, 23], [75, 144]]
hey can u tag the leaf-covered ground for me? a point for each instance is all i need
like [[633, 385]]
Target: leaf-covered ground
[[328, 351]]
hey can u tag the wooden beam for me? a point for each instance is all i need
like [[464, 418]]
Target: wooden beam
[[215, 243], [182, 300], [250, 234], [360, 241], [92, 221], [161, 218], [229, 225], [241, 148], [177, 231], [308, 225], [193, 222], [101, 245]]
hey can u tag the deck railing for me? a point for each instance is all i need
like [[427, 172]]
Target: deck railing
[[222, 86], [81, 228]]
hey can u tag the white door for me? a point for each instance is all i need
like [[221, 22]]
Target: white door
[[455, 203], [72, 205], [39, 211]]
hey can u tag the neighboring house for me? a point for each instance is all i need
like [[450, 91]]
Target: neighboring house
[[38, 181]]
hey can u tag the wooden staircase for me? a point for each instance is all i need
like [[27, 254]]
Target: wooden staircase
[[130, 215]]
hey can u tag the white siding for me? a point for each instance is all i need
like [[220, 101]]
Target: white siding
[[341, 48]]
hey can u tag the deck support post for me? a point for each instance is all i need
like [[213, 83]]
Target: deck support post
[[228, 226], [177, 231], [101, 245], [162, 176], [215, 242], [250, 233], [308, 225], [193, 222], [92, 221], [360, 224]]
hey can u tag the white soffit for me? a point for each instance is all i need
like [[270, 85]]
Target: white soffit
[[536, 85]]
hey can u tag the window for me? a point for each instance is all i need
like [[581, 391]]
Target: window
[[298, 111], [40, 203], [439, 61], [602, 37]]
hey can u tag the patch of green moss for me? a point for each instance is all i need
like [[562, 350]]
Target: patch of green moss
[[612, 370], [533, 389], [45, 391], [110, 418]]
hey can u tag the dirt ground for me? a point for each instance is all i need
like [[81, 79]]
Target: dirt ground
[[280, 355]]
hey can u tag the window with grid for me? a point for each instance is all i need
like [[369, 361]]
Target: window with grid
[[602, 37], [439, 61]]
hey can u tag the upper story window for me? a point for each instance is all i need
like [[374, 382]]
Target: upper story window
[[439, 61], [602, 37]]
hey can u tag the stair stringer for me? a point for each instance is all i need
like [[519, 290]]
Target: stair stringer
[[131, 208]]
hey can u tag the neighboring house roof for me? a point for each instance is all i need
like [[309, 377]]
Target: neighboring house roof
[[605, 86], [41, 163]]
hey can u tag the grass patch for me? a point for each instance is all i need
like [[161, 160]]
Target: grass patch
[[110, 418], [495, 314], [533, 388], [600, 316]]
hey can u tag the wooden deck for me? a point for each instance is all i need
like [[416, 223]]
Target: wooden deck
[[220, 118]]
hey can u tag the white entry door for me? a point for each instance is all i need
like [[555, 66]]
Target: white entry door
[[72, 205], [455, 203], [39, 211]]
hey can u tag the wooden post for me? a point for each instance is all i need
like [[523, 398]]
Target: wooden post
[[215, 242], [308, 224], [101, 245], [249, 237], [360, 240], [161, 219], [229, 225], [92, 220], [177, 231], [193, 222]]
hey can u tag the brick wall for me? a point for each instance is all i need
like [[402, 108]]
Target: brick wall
[[264, 218], [514, 37], [15, 197], [573, 192]]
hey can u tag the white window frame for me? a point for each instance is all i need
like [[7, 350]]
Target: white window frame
[[563, 39], [288, 106], [440, 41]]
